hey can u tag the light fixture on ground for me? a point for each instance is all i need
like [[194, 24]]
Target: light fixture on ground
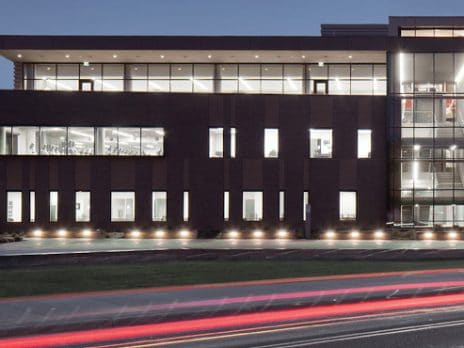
[[330, 234], [160, 234], [379, 234], [86, 233], [135, 234], [37, 233], [452, 235], [184, 233], [258, 234], [428, 235], [233, 234], [62, 233], [282, 233], [355, 234]]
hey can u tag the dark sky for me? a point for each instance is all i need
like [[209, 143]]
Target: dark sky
[[200, 17]]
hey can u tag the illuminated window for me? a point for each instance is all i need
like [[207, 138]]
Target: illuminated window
[[14, 207], [271, 143], [159, 199], [82, 206], [364, 143], [281, 205], [122, 206], [347, 205], [233, 142], [216, 143], [32, 206], [320, 143], [252, 206], [226, 205], [186, 208], [53, 206], [305, 203]]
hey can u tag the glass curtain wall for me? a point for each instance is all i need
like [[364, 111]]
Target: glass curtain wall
[[427, 128], [272, 78]]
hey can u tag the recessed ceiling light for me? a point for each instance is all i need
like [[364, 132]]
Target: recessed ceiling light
[[320, 63], [115, 56], [86, 64], [19, 55], [136, 68], [67, 55], [48, 68], [350, 56], [162, 56], [256, 56], [303, 56], [210, 56]]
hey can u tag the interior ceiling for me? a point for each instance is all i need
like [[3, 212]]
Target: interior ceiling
[[193, 56]]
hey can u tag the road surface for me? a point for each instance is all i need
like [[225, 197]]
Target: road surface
[[319, 311]]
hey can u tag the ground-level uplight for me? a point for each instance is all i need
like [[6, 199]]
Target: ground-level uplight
[[330, 235], [184, 233], [258, 234], [160, 234], [354, 234], [282, 233], [233, 234], [379, 234], [452, 235], [428, 235], [135, 234], [37, 233], [86, 233], [62, 233]]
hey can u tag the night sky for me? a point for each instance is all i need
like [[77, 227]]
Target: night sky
[[200, 17]]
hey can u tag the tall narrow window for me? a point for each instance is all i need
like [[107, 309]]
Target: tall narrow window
[[281, 205], [216, 142], [252, 206], [82, 206], [14, 207], [122, 206], [271, 143], [305, 203], [233, 142], [320, 145], [185, 210], [226, 205], [53, 206], [159, 206], [364, 143], [32, 206], [347, 205]]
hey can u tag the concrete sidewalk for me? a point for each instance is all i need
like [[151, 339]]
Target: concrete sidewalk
[[33, 246], [40, 314]]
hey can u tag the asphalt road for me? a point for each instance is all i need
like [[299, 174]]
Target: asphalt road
[[433, 327], [313, 311]]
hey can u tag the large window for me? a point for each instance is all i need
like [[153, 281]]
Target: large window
[[159, 203], [53, 206], [82, 141], [271, 143], [305, 203], [252, 206], [364, 143], [320, 143], [14, 207], [82, 206], [122, 206], [233, 142], [281, 205], [266, 78], [216, 142], [347, 205]]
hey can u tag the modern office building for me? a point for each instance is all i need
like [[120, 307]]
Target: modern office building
[[364, 124]]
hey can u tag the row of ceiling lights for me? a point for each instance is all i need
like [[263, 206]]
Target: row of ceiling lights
[[321, 63]]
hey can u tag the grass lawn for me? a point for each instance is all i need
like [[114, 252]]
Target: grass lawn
[[49, 280]]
